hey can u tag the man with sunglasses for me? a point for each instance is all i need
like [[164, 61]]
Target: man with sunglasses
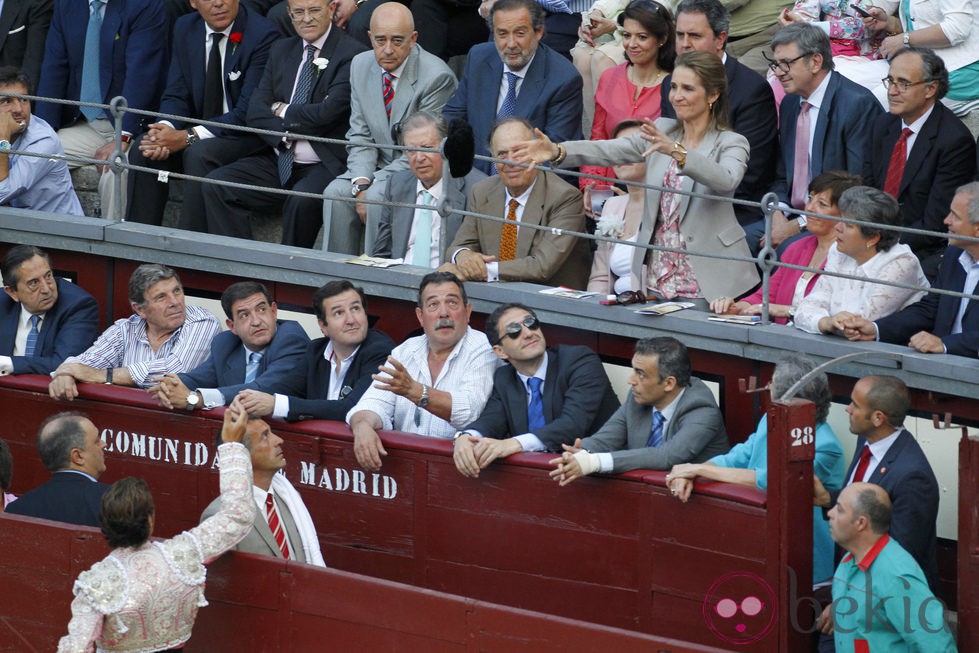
[[921, 151], [544, 398], [669, 417]]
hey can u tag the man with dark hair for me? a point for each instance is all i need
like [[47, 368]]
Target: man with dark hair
[[259, 352], [338, 366], [544, 398], [433, 384], [888, 455], [877, 569], [668, 418], [415, 235], [491, 251], [702, 25], [497, 75], [824, 124], [72, 450], [163, 335], [282, 527], [43, 319], [921, 151], [31, 182], [218, 57]]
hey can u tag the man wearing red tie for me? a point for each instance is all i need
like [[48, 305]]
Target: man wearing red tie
[[920, 151]]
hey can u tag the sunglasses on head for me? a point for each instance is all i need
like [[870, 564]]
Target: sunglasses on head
[[513, 329]]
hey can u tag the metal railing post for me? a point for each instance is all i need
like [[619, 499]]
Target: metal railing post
[[118, 161], [767, 256]]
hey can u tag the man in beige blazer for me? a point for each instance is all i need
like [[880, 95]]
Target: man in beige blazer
[[544, 256]]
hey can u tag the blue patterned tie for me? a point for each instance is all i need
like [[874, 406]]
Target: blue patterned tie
[[304, 87], [656, 433], [91, 84], [422, 254], [509, 106], [251, 370], [535, 411], [32, 335]]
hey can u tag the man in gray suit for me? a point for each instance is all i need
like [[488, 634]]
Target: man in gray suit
[[282, 527], [415, 235], [669, 417], [386, 86]]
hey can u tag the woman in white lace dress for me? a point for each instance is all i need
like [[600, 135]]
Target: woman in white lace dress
[[144, 595], [870, 253]]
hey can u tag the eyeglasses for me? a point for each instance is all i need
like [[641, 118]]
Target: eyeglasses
[[782, 64], [630, 297], [513, 329], [297, 15], [902, 84]]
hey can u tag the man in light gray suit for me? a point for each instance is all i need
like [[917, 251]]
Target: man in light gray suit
[[284, 528], [386, 86], [669, 417], [415, 235]]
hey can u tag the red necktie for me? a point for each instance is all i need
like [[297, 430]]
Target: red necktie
[[895, 169], [862, 465], [275, 526], [508, 238], [387, 90]]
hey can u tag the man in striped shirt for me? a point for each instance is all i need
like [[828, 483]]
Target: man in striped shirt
[[163, 336]]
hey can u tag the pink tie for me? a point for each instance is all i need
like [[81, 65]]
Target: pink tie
[[800, 173]]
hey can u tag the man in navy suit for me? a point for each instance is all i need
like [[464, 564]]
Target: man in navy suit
[[894, 461], [259, 351], [544, 398], [71, 448], [702, 25], [132, 62], [242, 40], [939, 324], [339, 365], [292, 163], [939, 152], [64, 317], [825, 113], [546, 88]]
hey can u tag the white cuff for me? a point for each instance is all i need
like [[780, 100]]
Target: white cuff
[[605, 462], [281, 409], [530, 442], [493, 271], [212, 397], [6, 365]]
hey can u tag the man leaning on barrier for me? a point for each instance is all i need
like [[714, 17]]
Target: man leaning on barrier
[[432, 384]]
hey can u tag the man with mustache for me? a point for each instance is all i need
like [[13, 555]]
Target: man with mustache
[[163, 335], [258, 352], [433, 384]]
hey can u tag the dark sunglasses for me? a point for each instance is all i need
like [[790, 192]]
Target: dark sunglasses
[[630, 297], [513, 329]]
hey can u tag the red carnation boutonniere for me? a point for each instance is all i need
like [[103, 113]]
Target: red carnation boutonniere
[[235, 38]]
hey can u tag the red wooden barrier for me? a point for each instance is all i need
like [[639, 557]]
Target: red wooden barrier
[[968, 554]]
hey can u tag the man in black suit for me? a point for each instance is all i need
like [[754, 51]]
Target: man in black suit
[[702, 25], [23, 28], [544, 398], [305, 90], [233, 44], [71, 448], [920, 167], [939, 324], [64, 318], [894, 461], [339, 365]]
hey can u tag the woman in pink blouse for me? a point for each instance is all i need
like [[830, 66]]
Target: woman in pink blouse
[[788, 286], [633, 89]]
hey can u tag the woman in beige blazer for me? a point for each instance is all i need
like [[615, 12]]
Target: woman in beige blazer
[[698, 153]]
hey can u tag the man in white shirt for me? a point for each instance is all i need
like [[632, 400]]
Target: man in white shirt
[[432, 384]]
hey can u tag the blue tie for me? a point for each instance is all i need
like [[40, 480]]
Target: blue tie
[[535, 411], [304, 87], [509, 106], [251, 370], [32, 336], [656, 433], [422, 254], [91, 84]]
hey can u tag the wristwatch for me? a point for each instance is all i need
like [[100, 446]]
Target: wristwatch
[[802, 222], [907, 39], [357, 189], [4, 145], [193, 400], [458, 435], [423, 402], [192, 137]]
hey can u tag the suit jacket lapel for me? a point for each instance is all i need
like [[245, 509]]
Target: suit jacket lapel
[[488, 89], [232, 52], [495, 205], [111, 22], [533, 213], [406, 88], [551, 385], [533, 84], [262, 528], [326, 52], [9, 334], [822, 125], [892, 454], [923, 143], [11, 9]]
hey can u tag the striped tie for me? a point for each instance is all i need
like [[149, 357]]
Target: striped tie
[[251, 369], [275, 526], [32, 335], [304, 88], [387, 88], [508, 237]]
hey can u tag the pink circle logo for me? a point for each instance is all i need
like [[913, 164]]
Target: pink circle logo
[[740, 608]]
